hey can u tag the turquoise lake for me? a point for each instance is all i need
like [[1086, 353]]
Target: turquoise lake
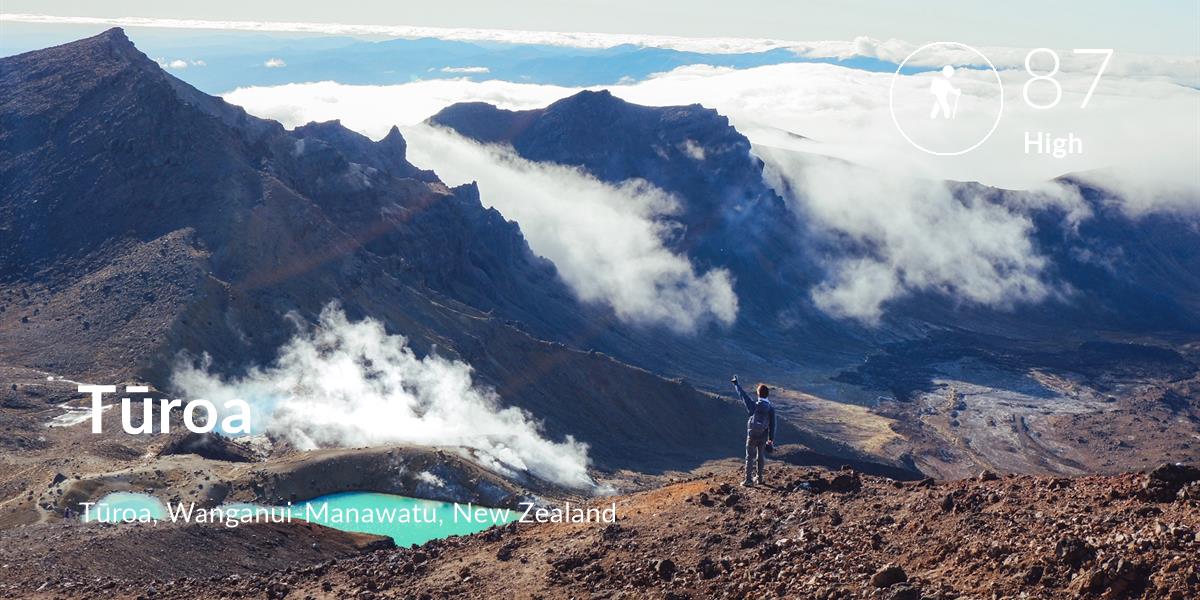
[[404, 519], [126, 506], [436, 519]]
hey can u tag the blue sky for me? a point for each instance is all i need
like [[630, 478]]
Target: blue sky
[[1148, 26]]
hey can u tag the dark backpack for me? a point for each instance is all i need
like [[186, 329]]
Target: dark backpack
[[759, 422]]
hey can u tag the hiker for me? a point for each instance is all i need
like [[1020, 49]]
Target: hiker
[[760, 430]]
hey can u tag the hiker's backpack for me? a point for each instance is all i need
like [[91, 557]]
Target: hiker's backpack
[[759, 422]]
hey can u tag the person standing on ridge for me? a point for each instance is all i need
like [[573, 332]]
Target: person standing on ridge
[[760, 430]]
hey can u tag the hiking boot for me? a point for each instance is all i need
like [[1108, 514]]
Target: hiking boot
[[760, 481], [747, 483]]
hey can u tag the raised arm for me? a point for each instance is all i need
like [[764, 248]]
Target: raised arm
[[749, 402]]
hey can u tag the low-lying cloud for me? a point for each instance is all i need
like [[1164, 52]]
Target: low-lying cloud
[[350, 384], [607, 241], [909, 235], [1138, 134]]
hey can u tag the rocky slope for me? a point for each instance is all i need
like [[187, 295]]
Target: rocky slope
[[809, 534], [729, 217]]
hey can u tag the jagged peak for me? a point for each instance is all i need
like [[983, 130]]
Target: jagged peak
[[108, 52], [121, 46], [393, 135], [114, 35]]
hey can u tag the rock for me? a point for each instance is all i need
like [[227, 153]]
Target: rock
[[1093, 581], [505, 551], [948, 502], [753, 539], [888, 576], [665, 569], [1164, 482], [1125, 579], [815, 485], [904, 591], [1073, 552], [845, 483], [1033, 574], [212, 446], [707, 568], [988, 476], [1190, 491], [1175, 473]]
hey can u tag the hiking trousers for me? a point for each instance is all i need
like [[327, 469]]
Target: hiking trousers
[[756, 452]]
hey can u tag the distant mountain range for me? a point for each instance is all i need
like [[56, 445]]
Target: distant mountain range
[[141, 218], [220, 62], [1122, 272]]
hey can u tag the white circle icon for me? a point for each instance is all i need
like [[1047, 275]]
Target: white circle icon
[[949, 110]]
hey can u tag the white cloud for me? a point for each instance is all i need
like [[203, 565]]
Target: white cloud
[[344, 384], [1136, 129], [372, 110], [178, 63], [274, 63], [467, 70], [912, 235], [607, 241], [1139, 135], [694, 150]]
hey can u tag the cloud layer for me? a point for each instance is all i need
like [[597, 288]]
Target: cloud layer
[[1139, 137], [1139, 134], [607, 241], [1180, 69], [344, 384], [909, 235]]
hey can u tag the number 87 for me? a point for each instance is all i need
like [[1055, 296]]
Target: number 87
[[1107, 52]]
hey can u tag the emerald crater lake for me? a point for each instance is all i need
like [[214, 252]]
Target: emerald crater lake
[[405, 519]]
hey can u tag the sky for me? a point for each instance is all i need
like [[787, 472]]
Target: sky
[[1148, 26]]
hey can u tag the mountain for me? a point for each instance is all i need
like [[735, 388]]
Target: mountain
[[142, 219], [1112, 347], [730, 218], [1121, 271]]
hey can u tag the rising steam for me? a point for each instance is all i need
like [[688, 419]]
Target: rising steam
[[344, 384]]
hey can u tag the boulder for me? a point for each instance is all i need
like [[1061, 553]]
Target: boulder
[[1164, 482], [212, 446], [888, 576], [845, 483]]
